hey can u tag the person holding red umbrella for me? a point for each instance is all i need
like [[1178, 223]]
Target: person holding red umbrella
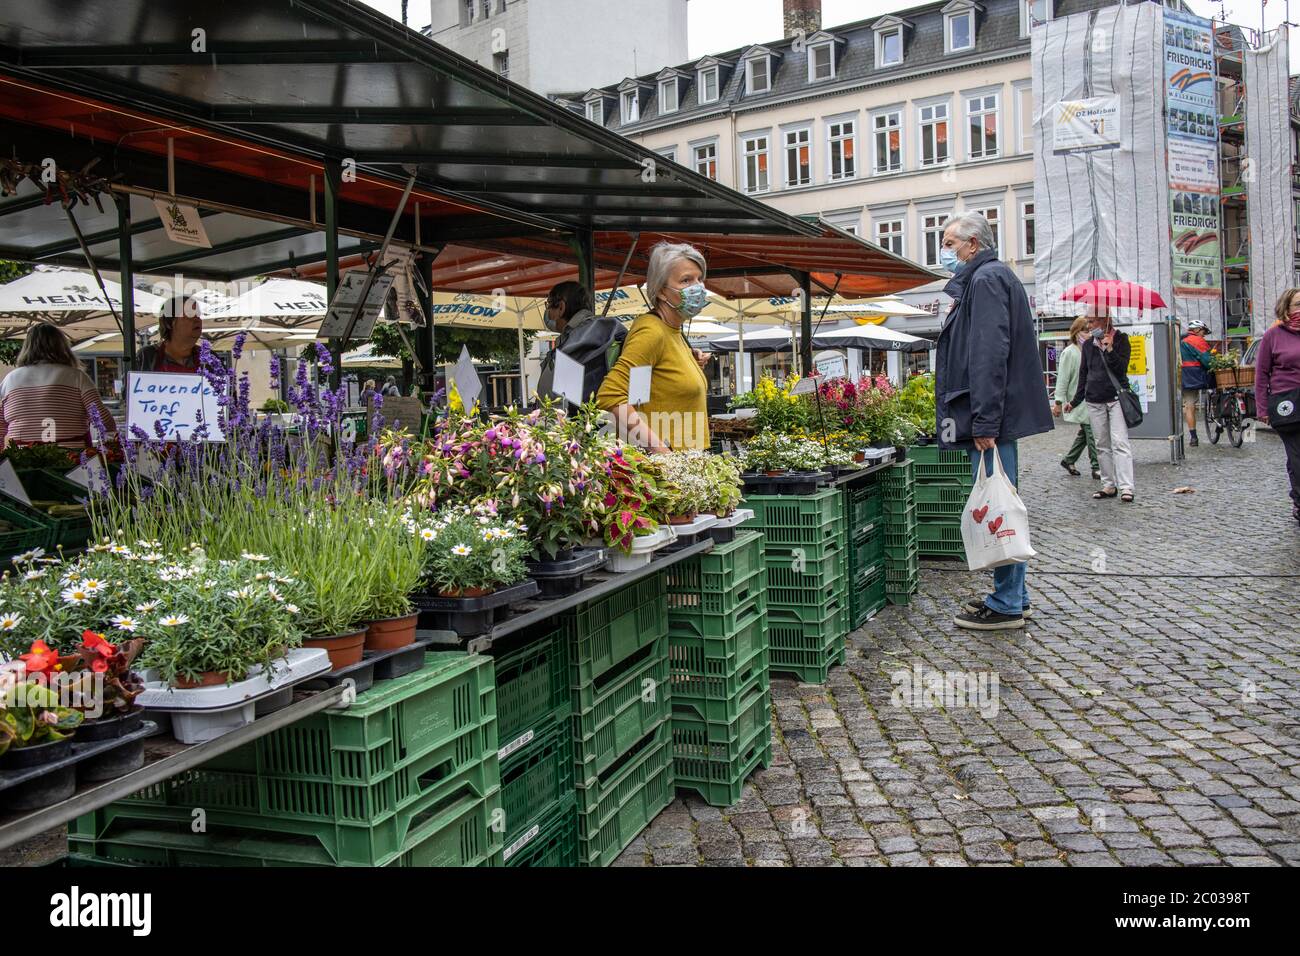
[[1105, 362]]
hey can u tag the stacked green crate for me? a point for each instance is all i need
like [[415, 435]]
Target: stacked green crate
[[806, 554], [621, 729], [719, 667], [534, 717], [901, 568], [943, 483], [866, 565], [408, 775]]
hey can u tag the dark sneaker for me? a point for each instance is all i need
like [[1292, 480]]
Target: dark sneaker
[[987, 619], [1194, 442], [974, 608]]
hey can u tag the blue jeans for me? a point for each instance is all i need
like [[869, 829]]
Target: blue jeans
[[1010, 593]]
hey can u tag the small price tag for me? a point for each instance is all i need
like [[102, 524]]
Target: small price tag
[[10, 483]]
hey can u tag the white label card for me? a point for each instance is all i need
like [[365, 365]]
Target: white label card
[[568, 378], [638, 384], [10, 484], [805, 386], [467, 382], [92, 476]]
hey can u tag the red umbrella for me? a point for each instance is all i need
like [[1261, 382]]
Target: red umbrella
[[1115, 294]]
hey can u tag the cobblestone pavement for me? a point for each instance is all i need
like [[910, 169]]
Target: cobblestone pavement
[[1146, 715]]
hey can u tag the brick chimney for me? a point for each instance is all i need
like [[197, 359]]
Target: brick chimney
[[805, 15]]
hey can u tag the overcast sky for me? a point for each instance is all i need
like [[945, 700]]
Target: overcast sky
[[717, 25]]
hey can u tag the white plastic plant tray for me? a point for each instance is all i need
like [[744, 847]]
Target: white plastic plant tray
[[205, 713], [643, 549], [735, 519], [701, 524], [873, 453]]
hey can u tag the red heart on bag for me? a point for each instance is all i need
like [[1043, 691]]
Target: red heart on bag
[[994, 525], [979, 513]]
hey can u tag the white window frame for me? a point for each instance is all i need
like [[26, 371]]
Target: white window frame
[[996, 111], [745, 154], [469, 10], [496, 63], [595, 111], [939, 218], [634, 114], [663, 98], [668, 152], [697, 159], [829, 47], [880, 47], [832, 138], [1024, 15], [850, 222], [949, 20], [1024, 123], [876, 168], [899, 233], [1027, 218], [766, 63], [996, 223], [806, 132], [703, 84], [922, 123]]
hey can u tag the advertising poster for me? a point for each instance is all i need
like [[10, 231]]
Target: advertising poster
[[1189, 63], [1085, 125], [1194, 220], [1141, 362], [1193, 166]]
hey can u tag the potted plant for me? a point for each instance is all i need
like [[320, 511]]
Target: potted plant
[[632, 505], [34, 727], [724, 484], [103, 685], [396, 564], [767, 454], [1227, 369], [684, 484], [469, 555]]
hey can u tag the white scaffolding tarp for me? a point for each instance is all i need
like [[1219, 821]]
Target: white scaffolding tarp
[[1101, 208], [1269, 207]]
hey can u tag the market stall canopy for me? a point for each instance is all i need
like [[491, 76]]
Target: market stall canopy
[[69, 299], [764, 340], [283, 301], [365, 357], [220, 337], [869, 337], [877, 310]]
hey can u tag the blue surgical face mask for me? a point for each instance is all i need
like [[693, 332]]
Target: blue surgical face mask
[[948, 259], [694, 299], [1098, 333]]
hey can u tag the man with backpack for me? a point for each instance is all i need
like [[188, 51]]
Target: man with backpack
[[1195, 353]]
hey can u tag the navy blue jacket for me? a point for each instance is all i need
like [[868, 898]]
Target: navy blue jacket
[[988, 376]]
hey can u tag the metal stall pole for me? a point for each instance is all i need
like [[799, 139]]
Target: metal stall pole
[[424, 343], [333, 179], [127, 278], [583, 244], [805, 323]]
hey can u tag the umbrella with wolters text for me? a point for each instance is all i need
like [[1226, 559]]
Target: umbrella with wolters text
[[1107, 294]]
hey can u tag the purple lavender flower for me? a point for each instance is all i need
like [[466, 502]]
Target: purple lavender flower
[[238, 348]]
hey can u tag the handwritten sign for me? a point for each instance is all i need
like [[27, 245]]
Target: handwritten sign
[[182, 223], [178, 404]]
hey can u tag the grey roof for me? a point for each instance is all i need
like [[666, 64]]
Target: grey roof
[[997, 31]]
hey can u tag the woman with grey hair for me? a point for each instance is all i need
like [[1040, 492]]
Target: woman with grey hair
[[676, 415]]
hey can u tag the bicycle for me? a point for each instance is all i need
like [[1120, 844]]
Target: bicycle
[[1226, 409]]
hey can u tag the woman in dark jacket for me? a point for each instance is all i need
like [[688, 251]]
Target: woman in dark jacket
[[1105, 356], [593, 342], [1277, 381]]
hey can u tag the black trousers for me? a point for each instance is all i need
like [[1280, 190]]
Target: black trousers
[[1291, 441]]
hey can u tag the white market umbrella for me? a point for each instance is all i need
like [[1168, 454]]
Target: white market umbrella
[[870, 337], [365, 357], [877, 310], [69, 299], [764, 340], [284, 301]]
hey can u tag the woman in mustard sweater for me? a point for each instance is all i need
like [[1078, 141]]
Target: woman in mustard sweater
[[676, 417]]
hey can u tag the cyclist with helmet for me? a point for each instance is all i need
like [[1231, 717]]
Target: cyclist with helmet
[[1195, 351]]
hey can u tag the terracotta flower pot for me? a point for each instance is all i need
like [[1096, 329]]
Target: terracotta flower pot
[[774, 472], [206, 679], [344, 649], [682, 519], [464, 593], [859, 456], [391, 633]]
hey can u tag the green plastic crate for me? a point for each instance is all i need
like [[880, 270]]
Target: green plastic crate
[[934, 455], [867, 598], [938, 532], [29, 531], [627, 796], [806, 554], [952, 494], [906, 575], [867, 553], [72, 532], [797, 511], [814, 599], [722, 784], [551, 843], [693, 593], [813, 659], [719, 570], [725, 708], [796, 569], [607, 631], [902, 473], [863, 506], [694, 736], [535, 778], [694, 620], [804, 614], [458, 831], [714, 669], [624, 705], [532, 684]]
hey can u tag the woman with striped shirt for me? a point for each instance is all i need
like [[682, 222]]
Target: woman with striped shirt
[[48, 397]]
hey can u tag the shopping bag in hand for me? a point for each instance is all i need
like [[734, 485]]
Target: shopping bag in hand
[[995, 524]]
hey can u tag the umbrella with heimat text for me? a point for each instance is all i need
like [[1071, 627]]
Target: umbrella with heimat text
[[1114, 294]]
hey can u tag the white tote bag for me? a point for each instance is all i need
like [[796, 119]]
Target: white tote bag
[[995, 524]]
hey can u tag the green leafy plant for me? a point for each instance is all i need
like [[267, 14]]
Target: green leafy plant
[[726, 489], [1228, 360], [916, 402], [275, 406], [30, 714], [469, 550], [632, 505], [397, 562], [685, 481]]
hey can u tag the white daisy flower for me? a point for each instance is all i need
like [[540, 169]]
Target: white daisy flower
[[148, 607], [427, 534], [174, 620], [240, 595], [124, 623], [461, 549], [291, 608], [263, 576], [118, 549], [275, 595], [29, 556], [9, 621], [254, 557], [75, 595], [93, 585], [153, 557], [34, 575]]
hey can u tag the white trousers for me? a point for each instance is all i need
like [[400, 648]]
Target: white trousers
[[1114, 452]]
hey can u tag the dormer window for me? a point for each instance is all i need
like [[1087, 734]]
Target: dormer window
[[959, 26], [821, 57], [596, 111], [1034, 13], [631, 107], [891, 33], [758, 75], [708, 85], [668, 99]]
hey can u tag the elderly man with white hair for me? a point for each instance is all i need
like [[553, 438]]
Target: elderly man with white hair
[[676, 416], [989, 386]]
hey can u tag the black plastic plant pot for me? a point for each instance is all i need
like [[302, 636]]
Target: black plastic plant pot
[[108, 728], [23, 758], [557, 579], [362, 675], [113, 763], [269, 704], [470, 616], [49, 788], [403, 661], [722, 535]]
